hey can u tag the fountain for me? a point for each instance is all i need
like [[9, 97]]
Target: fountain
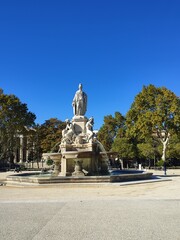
[[80, 153], [81, 157]]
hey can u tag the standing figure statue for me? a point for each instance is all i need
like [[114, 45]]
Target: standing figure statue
[[80, 102], [89, 129]]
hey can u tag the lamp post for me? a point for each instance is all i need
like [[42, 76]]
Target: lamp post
[[164, 167]]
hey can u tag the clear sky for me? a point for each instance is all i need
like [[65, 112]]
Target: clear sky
[[112, 47]]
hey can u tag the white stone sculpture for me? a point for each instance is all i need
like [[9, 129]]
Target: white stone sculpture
[[80, 102], [89, 129], [68, 132]]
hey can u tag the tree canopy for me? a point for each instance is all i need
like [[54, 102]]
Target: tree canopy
[[112, 127], [14, 116], [155, 111], [50, 134]]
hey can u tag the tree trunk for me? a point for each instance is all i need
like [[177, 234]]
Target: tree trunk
[[165, 143]]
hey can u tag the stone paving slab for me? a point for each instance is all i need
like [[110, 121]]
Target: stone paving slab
[[91, 219]]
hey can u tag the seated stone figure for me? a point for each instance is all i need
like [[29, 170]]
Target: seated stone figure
[[68, 133]]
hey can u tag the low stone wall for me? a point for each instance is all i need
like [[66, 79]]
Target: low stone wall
[[130, 177], [43, 179]]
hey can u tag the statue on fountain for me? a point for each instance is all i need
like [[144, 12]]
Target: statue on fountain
[[79, 102], [89, 129], [68, 133], [80, 129]]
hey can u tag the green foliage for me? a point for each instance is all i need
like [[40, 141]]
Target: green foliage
[[124, 147], [50, 134], [14, 116], [49, 162], [105, 137], [160, 163], [145, 150], [112, 127], [148, 149], [154, 109], [155, 112], [174, 148]]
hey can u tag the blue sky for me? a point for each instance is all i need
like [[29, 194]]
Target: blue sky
[[112, 47]]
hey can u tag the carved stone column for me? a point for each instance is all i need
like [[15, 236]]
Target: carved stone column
[[21, 149], [27, 150], [15, 157]]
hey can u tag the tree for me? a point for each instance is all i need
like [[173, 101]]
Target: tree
[[155, 111], [112, 127], [124, 147], [50, 134], [174, 151], [14, 116], [148, 150]]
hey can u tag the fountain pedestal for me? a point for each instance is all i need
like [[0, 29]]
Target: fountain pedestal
[[79, 123], [73, 162]]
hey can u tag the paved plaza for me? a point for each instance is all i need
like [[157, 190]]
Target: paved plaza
[[149, 211]]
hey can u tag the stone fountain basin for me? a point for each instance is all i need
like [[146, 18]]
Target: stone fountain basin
[[125, 171], [38, 178], [129, 175]]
